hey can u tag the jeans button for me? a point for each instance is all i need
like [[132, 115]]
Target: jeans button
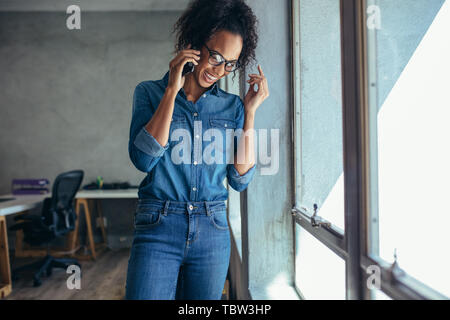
[[191, 207]]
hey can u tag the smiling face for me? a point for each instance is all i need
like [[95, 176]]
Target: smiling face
[[229, 45]]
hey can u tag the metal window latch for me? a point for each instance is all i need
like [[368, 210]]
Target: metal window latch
[[395, 271], [317, 221]]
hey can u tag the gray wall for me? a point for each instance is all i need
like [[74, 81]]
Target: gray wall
[[66, 95]]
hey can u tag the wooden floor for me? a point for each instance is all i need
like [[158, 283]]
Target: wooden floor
[[101, 279]]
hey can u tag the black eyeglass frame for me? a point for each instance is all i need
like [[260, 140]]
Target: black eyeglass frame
[[236, 66]]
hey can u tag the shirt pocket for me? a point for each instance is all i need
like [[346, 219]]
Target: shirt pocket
[[222, 123], [226, 128]]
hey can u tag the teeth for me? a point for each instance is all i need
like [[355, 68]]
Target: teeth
[[210, 77]]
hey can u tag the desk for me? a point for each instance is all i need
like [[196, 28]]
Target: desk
[[82, 199], [23, 203]]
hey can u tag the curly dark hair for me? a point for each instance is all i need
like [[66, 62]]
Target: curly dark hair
[[203, 18]]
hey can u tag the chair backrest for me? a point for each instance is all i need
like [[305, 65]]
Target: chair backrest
[[60, 216]]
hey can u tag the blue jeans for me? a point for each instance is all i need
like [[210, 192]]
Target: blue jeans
[[180, 250]]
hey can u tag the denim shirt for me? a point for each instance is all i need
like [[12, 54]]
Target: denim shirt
[[196, 160]]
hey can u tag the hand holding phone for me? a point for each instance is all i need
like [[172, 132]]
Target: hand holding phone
[[188, 67], [181, 65]]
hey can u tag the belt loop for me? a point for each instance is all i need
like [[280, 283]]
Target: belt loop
[[166, 207], [208, 213]]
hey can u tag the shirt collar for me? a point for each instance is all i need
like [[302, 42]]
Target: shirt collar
[[214, 90]]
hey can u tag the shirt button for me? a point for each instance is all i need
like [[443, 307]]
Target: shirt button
[[191, 207], [197, 137], [204, 96], [195, 163], [194, 188], [226, 125], [195, 114]]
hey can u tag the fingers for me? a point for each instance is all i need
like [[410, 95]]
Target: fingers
[[195, 54], [186, 60], [188, 49], [180, 59], [261, 81], [256, 79], [261, 73], [186, 55], [260, 70]]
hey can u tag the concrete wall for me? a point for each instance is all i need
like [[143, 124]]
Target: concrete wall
[[66, 95], [93, 5]]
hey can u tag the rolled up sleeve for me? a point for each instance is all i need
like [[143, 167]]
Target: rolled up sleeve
[[148, 144], [238, 182], [143, 149]]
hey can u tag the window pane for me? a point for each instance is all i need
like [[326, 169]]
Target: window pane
[[319, 272], [409, 64], [320, 165]]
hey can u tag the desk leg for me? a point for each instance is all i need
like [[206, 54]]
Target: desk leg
[[90, 235], [5, 268]]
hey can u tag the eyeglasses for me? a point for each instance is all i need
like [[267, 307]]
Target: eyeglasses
[[216, 59]]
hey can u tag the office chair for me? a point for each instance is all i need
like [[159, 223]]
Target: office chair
[[57, 219]]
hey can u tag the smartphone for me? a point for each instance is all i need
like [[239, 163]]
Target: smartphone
[[188, 67]]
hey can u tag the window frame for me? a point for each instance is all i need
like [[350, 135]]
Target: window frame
[[359, 196], [329, 235]]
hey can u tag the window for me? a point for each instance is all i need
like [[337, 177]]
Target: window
[[320, 273], [319, 192], [371, 135], [319, 160], [408, 66]]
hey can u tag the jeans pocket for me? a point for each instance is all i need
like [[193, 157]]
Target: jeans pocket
[[147, 218], [219, 220]]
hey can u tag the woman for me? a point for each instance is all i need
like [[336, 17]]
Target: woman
[[181, 245]]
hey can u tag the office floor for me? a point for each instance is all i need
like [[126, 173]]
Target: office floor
[[102, 279]]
